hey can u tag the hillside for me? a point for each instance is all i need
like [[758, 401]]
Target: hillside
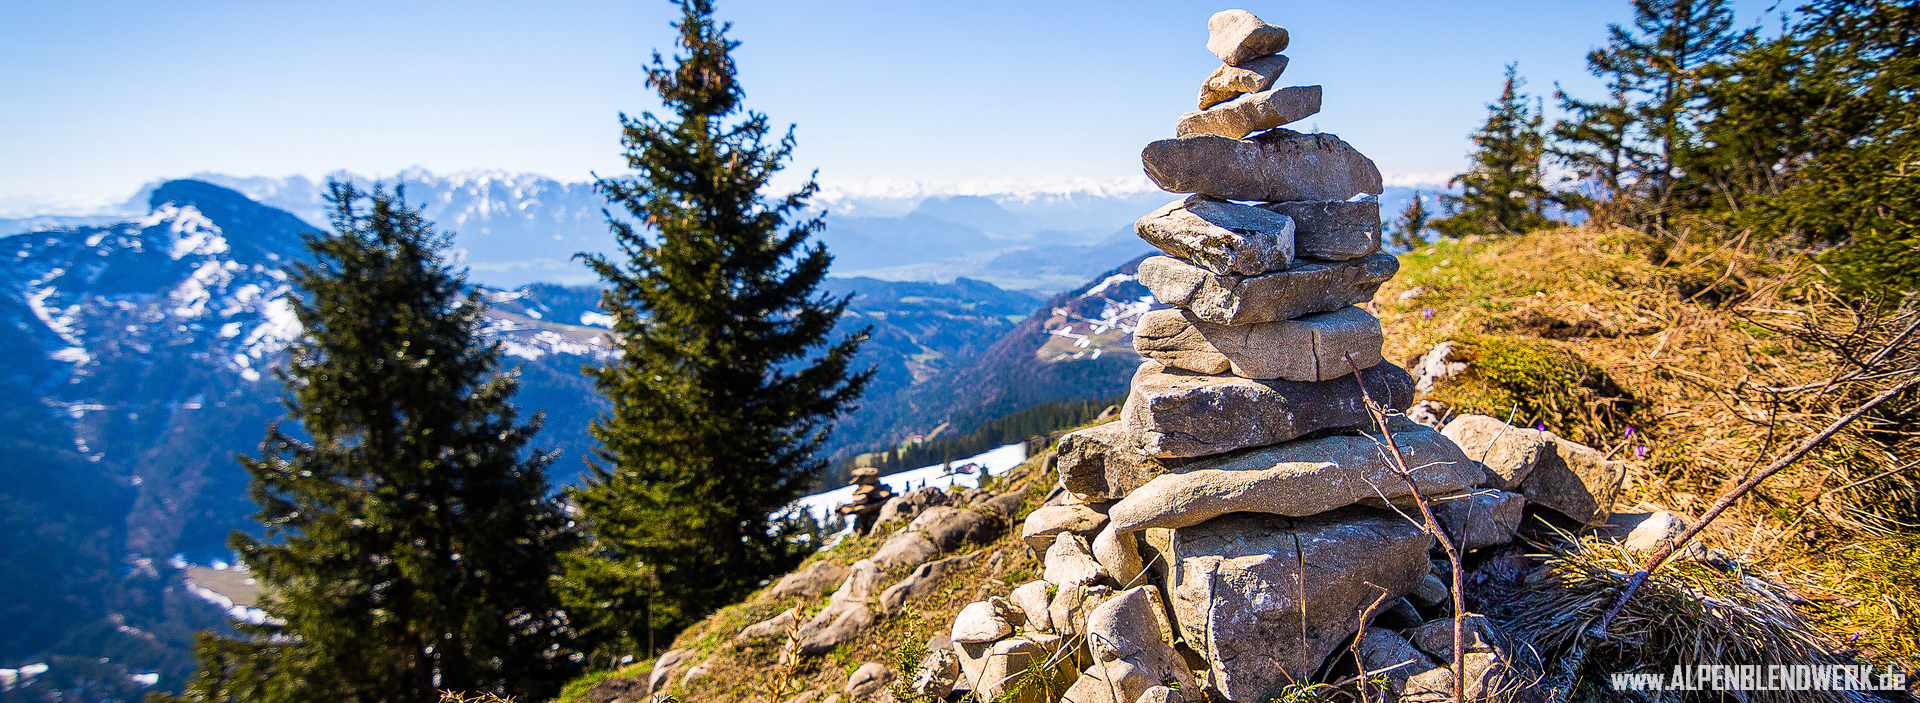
[[1597, 336]]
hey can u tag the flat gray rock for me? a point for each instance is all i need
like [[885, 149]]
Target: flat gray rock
[[1509, 453], [1296, 479], [1357, 456], [1102, 462], [1229, 82], [1251, 113], [1483, 519], [1070, 606], [1277, 166], [868, 680], [1383, 650], [1031, 598], [1236, 583], [906, 548], [1333, 230], [1575, 480], [926, 580], [1070, 562], [1178, 413], [986, 621], [937, 673], [1308, 348], [1237, 36], [1220, 236], [1044, 523], [1307, 288], [1132, 628], [950, 527], [811, 582]]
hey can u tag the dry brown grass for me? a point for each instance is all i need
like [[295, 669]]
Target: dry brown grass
[[1699, 337], [751, 672]]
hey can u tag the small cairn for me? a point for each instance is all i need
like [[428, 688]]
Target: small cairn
[[1237, 508], [869, 495]]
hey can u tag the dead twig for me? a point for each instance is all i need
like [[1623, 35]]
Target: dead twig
[[1398, 462], [1562, 685]]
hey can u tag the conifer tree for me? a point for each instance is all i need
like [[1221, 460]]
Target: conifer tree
[[1410, 230], [409, 544], [727, 379], [1653, 72], [1502, 191]]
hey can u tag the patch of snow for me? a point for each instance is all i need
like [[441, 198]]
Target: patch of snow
[[146, 679], [596, 319], [71, 355], [996, 461], [1109, 282], [280, 327]]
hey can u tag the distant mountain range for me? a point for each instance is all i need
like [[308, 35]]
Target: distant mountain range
[[139, 364], [517, 229]]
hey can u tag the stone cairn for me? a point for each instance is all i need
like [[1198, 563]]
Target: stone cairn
[[869, 496], [1228, 529]]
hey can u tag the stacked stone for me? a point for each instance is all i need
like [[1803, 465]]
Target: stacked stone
[[1237, 480], [869, 496]]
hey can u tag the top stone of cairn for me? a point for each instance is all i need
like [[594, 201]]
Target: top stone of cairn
[[1236, 36]]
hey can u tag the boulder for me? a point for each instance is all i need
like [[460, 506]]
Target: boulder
[[1237, 37], [925, 580], [1307, 288], [868, 681], [1119, 553], [951, 527], [846, 612], [1236, 583], [769, 628], [1333, 230], [1220, 236], [1251, 113], [992, 669], [1310, 348], [1337, 471], [1070, 562], [1650, 531], [812, 581], [1070, 606], [1277, 166], [1032, 599], [1431, 592], [1436, 638], [845, 623], [906, 548], [697, 672], [989, 620], [1487, 679], [1384, 651], [1132, 627], [1006, 506], [1111, 682], [617, 690], [1482, 519], [1509, 453], [937, 673], [665, 666], [1178, 413], [1160, 694], [1575, 480], [1091, 458], [1229, 82], [1045, 523]]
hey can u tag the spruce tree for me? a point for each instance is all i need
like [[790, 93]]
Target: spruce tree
[[1654, 74], [1410, 231], [409, 543], [727, 380], [1502, 191]]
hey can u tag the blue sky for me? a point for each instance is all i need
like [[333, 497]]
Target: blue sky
[[102, 96]]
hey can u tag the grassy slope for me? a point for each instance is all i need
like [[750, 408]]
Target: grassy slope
[[1587, 317]]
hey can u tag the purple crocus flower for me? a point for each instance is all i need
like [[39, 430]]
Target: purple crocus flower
[[1640, 451]]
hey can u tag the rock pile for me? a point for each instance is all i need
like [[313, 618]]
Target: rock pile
[[869, 496], [1232, 521]]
